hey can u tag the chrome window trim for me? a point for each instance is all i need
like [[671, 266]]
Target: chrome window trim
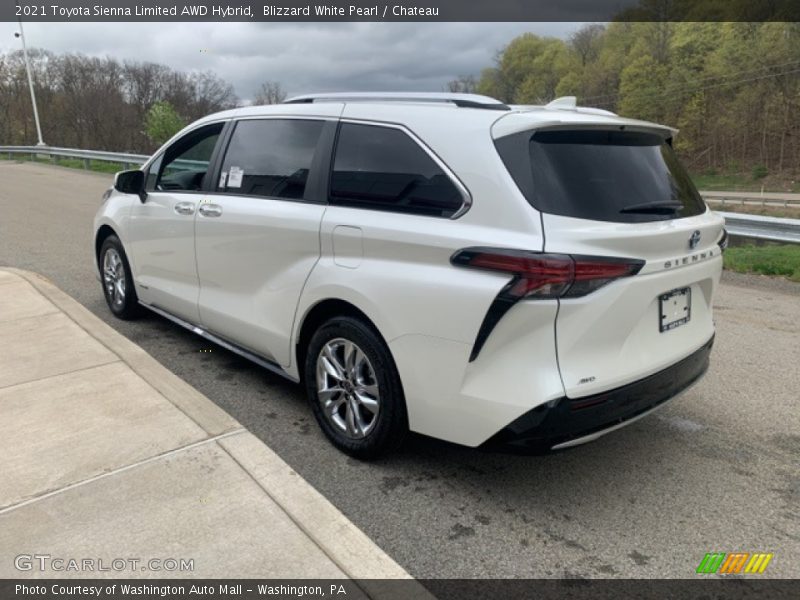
[[292, 117], [165, 147]]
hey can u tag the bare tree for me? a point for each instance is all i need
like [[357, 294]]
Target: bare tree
[[99, 103], [271, 92], [209, 94], [463, 84], [587, 42]]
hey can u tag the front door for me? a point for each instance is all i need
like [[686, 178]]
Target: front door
[[162, 226]]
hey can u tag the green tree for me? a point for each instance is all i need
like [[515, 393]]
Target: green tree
[[162, 122], [491, 84], [528, 70], [641, 89], [570, 85]]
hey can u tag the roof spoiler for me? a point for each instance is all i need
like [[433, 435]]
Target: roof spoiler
[[563, 103]]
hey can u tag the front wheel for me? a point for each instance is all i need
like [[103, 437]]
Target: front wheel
[[117, 282], [354, 388]]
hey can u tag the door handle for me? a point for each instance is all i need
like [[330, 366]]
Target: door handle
[[210, 210], [184, 208]]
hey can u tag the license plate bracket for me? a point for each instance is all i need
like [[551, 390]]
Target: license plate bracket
[[674, 308]]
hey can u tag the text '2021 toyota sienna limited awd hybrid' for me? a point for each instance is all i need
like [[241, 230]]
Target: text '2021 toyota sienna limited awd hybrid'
[[528, 277]]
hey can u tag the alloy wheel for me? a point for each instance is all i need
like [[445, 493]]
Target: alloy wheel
[[347, 388], [114, 277]]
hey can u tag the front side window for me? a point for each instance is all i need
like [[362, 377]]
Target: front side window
[[270, 158], [184, 164], [382, 168]]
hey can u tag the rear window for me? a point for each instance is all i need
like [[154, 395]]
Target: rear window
[[618, 176]]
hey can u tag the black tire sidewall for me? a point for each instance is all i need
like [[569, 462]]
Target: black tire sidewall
[[392, 425], [129, 308]]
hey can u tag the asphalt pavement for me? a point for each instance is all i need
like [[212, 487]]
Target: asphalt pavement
[[716, 470]]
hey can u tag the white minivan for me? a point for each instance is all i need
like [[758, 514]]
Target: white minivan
[[521, 277]]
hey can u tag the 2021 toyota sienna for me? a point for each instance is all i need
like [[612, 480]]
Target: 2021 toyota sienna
[[530, 277]]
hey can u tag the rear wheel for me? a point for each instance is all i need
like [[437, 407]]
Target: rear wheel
[[354, 388], [116, 278]]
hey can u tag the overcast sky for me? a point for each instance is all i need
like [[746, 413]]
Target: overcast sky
[[303, 57]]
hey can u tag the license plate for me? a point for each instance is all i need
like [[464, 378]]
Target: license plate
[[675, 308]]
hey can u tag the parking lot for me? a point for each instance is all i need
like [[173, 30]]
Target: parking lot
[[714, 471]]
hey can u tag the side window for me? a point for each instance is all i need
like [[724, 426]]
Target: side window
[[184, 164], [270, 158], [384, 169]]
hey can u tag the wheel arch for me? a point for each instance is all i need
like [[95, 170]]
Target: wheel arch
[[320, 312], [103, 233]]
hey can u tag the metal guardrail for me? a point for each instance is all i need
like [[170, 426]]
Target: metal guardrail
[[740, 224], [125, 159], [753, 198], [762, 228], [756, 226]]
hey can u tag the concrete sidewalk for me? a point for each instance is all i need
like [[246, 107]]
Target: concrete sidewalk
[[108, 455]]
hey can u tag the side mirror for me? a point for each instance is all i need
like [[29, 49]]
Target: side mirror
[[130, 182]]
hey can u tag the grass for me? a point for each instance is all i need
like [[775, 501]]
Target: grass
[[97, 166], [725, 183], [745, 182], [73, 163], [792, 211], [774, 260]]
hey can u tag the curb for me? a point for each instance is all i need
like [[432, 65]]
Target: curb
[[212, 419], [344, 543]]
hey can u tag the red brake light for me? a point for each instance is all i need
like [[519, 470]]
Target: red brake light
[[592, 272], [539, 275], [543, 275], [547, 275]]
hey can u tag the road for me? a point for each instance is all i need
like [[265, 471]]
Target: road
[[716, 470]]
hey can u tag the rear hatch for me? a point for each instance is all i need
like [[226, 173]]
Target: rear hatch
[[621, 193]]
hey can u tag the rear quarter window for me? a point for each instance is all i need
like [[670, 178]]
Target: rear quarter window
[[617, 176], [382, 168]]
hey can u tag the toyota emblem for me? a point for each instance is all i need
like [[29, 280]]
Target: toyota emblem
[[694, 239]]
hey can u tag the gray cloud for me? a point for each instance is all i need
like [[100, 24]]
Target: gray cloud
[[304, 57]]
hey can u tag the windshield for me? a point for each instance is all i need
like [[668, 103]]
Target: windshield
[[619, 176]]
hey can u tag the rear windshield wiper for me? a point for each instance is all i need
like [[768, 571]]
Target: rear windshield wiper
[[665, 207]]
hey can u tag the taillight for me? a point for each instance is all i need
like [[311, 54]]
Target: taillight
[[592, 273], [723, 241], [537, 275]]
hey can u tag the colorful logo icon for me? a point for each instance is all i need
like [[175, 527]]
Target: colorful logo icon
[[735, 562]]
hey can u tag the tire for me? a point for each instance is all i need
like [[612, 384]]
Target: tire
[[368, 382], [114, 268]]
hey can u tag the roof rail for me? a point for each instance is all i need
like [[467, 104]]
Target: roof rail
[[461, 100]]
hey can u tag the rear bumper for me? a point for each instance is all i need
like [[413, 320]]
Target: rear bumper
[[566, 422]]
